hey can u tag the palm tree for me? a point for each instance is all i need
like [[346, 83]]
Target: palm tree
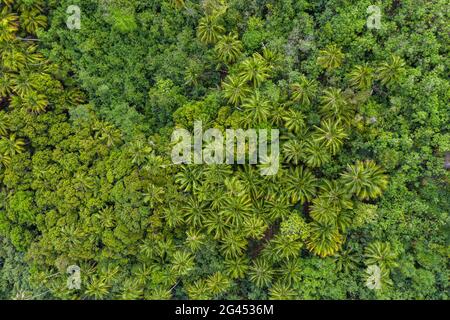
[[209, 29], [215, 224], [237, 209], [153, 195], [254, 69], [254, 227], [290, 272], [8, 25], [278, 208], [286, 247], [5, 161], [229, 48], [178, 4], [194, 239], [32, 20], [392, 71], [256, 109], [293, 150], [330, 58], [281, 291], [325, 239], [335, 106], [235, 89], [199, 290], [12, 145], [300, 184], [233, 244], [218, 283], [365, 179], [97, 288], [304, 90], [236, 268], [139, 150], [380, 253], [335, 194], [195, 212], [346, 261], [4, 123], [13, 56], [32, 101], [182, 263], [331, 135], [323, 212], [106, 132], [23, 84], [315, 154], [173, 216], [189, 178], [5, 84], [261, 273], [294, 121], [361, 77], [106, 218]]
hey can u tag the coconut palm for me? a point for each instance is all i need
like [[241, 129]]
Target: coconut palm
[[254, 69], [304, 90], [209, 29], [325, 239], [235, 89], [228, 48], [331, 135], [365, 179], [330, 58], [361, 77], [392, 71]]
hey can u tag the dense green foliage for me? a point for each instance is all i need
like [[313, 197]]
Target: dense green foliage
[[86, 177]]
